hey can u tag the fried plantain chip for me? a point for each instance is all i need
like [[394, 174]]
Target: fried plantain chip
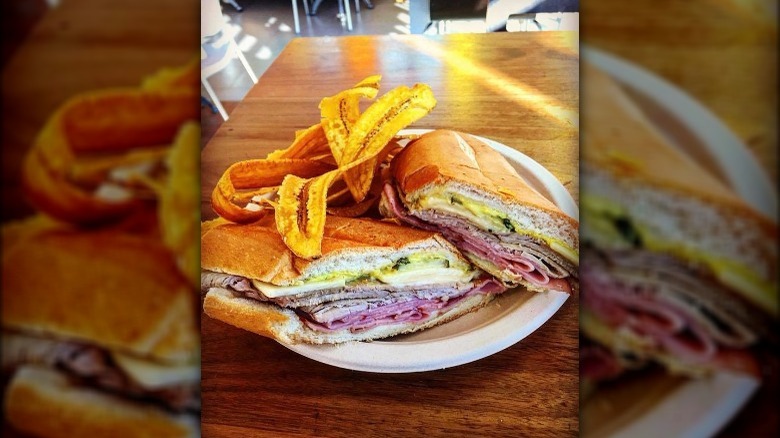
[[377, 126], [118, 121], [370, 136], [256, 174], [308, 142], [357, 146], [339, 114], [179, 211], [392, 112], [300, 213]]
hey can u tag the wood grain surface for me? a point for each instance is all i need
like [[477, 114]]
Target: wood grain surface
[[724, 54], [518, 89]]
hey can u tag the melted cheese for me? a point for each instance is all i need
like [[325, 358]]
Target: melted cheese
[[734, 275], [484, 220], [763, 295], [420, 269], [272, 291], [491, 220], [424, 276], [152, 375], [565, 251]]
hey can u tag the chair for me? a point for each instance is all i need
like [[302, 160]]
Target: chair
[[424, 12], [368, 3], [217, 49], [295, 13], [238, 8], [502, 15], [343, 5], [235, 5]]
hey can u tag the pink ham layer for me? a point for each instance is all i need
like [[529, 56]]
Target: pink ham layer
[[416, 310], [469, 243]]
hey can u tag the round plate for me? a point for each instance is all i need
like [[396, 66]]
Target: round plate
[[694, 130], [508, 319], [694, 407]]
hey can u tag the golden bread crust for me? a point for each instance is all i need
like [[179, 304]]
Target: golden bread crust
[[625, 144], [115, 290], [44, 403], [488, 171], [285, 326], [257, 251]]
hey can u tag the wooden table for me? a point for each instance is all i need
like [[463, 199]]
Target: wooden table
[[518, 89], [725, 56]]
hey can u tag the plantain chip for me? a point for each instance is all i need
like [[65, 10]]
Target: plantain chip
[[308, 142], [348, 149], [300, 213], [339, 114], [256, 174], [381, 121], [179, 211], [371, 134], [105, 122]]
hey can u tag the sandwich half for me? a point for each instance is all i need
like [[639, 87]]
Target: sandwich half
[[680, 270], [375, 279], [458, 185], [99, 335]]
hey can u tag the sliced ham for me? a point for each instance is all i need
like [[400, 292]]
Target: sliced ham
[[360, 316], [93, 366], [598, 364], [362, 305], [521, 256], [668, 304]]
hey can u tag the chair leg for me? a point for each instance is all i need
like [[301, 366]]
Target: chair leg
[[208, 103], [295, 15], [214, 98], [242, 58], [235, 5], [349, 15], [315, 6], [247, 67], [357, 6]]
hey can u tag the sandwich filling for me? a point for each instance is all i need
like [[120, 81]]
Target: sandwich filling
[[649, 306], [408, 289], [611, 225], [175, 387], [491, 241]]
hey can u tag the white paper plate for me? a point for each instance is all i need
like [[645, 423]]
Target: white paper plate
[[507, 320], [697, 408], [694, 130]]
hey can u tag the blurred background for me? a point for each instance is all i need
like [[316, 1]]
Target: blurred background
[[55, 53], [722, 55]]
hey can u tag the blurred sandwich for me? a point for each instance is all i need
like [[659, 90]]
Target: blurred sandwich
[[99, 335], [456, 184], [680, 270], [374, 280]]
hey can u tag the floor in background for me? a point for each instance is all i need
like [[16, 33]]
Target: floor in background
[[264, 27], [210, 121]]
